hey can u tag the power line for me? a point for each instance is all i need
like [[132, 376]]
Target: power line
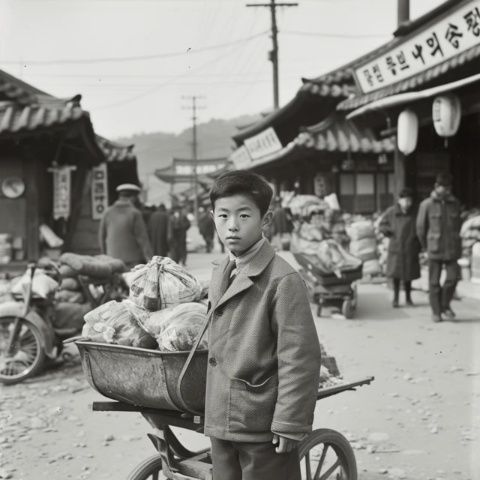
[[133, 58], [335, 35]]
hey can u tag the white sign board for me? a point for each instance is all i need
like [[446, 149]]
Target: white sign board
[[99, 191], [62, 186], [202, 169], [241, 158], [446, 38], [264, 143]]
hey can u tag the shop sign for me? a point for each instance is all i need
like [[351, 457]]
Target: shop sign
[[62, 186], [99, 191], [443, 40], [265, 143], [202, 169], [241, 158]]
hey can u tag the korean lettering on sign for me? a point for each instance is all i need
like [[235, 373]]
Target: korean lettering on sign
[[99, 191], [449, 36], [61, 191], [262, 144]]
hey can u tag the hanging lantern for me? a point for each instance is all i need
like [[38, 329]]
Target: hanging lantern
[[407, 131], [446, 115]]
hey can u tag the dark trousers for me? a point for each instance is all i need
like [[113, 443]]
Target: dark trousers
[[396, 289], [252, 461], [441, 296]]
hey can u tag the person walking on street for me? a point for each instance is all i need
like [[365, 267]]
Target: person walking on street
[[206, 227], [177, 235], [158, 231], [282, 227], [438, 229], [399, 225], [123, 233]]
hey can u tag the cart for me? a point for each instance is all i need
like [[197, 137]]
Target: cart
[[324, 454], [170, 387], [328, 288]]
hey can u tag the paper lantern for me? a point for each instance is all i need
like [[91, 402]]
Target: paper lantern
[[407, 131], [446, 115]]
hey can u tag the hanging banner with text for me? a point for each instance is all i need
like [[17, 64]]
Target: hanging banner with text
[[262, 144], [443, 40], [99, 191], [62, 186]]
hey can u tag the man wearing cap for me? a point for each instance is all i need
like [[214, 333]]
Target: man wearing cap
[[123, 233], [438, 229]]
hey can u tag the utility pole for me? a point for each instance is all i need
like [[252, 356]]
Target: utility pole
[[194, 107], [273, 54]]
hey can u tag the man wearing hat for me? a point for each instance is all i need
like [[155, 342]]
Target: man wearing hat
[[123, 233], [438, 229]]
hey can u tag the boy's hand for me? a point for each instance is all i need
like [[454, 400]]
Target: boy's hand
[[284, 445]]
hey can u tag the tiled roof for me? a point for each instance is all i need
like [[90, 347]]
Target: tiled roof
[[114, 151], [335, 134]]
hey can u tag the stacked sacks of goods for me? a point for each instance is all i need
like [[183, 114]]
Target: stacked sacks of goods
[[162, 312], [363, 245]]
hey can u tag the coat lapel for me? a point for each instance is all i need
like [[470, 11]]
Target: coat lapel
[[243, 280]]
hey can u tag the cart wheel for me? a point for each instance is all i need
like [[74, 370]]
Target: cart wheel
[[348, 308], [27, 355], [327, 454], [149, 469]]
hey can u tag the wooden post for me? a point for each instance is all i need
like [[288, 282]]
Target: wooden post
[[33, 222]]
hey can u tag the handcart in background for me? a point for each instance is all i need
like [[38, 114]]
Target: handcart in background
[[168, 389], [330, 289]]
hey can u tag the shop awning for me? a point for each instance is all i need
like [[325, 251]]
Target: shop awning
[[410, 97]]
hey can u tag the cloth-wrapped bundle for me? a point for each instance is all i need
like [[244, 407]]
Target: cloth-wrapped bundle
[[162, 283], [176, 328], [99, 266], [119, 323]]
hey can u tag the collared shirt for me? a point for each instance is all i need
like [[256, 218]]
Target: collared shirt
[[245, 257]]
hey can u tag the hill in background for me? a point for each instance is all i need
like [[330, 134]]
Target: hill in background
[[156, 150]]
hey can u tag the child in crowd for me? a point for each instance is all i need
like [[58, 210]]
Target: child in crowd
[[264, 354]]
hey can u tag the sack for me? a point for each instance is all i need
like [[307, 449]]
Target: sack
[[176, 328], [361, 229], [162, 283], [69, 296], [101, 266], [372, 267], [43, 285], [70, 315], [365, 248], [70, 284], [335, 258], [114, 322]]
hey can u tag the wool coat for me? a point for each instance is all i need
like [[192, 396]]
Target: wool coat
[[264, 354], [404, 247], [158, 232], [438, 227], [123, 233]]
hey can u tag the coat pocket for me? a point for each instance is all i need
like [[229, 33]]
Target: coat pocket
[[251, 406]]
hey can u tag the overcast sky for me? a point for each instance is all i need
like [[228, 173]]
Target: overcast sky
[[134, 60]]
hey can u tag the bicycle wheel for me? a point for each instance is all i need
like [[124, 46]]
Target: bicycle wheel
[[27, 355], [149, 469], [327, 454]]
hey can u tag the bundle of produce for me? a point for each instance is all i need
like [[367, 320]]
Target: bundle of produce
[[335, 258], [301, 205], [70, 291], [119, 323], [98, 266], [364, 245], [162, 283], [176, 328], [470, 233]]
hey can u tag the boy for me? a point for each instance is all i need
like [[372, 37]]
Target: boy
[[264, 354]]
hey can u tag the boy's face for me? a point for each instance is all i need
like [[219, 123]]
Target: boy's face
[[238, 222]]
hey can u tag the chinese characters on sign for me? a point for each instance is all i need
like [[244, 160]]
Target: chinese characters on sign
[[99, 191], [449, 36], [262, 144], [62, 181], [241, 158]]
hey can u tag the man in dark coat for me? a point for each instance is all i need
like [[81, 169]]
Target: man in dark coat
[[281, 226], [177, 235], [438, 229], [158, 231], [123, 233], [398, 223], [206, 227]]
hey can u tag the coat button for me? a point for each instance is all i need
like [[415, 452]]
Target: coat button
[[212, 361]]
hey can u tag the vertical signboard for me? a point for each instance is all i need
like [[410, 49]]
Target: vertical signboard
[[99, 191], [62, 185]]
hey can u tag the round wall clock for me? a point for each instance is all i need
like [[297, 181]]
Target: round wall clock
[[13, 187]]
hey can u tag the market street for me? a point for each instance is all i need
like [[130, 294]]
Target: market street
[[419, 419]]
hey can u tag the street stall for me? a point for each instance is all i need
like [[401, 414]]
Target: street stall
[[48, 151]]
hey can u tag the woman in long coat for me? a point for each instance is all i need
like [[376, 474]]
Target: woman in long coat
[[398, 223]]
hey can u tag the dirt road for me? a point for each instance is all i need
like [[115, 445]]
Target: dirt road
[[419, 420]]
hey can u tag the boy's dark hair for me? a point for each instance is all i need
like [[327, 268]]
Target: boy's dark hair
[[244, 183], [444, 179]]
